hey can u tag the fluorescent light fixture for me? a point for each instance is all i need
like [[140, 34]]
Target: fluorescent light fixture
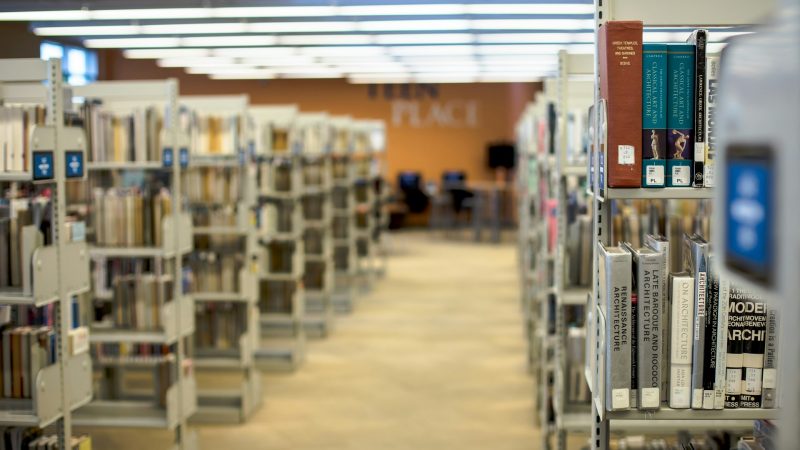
[[29, 16], [255, 52], [297, 60], [535, 38], [532, 49], [525, 59], [500, 78], [302, 27], [367, 78], [680, 36], [358, 59], [533, 24], [333, 39], [445, 78], [344, 51], [310, 75], [414, 25], [403, 10], [90, 30], [228, 41], [530, 9], [274, 11], [241, 76], [149, 13], [236, 68], [166, 53], [132, 43], [384, 69], [438, 60], [422, 50], [309, 70], [464, 68], [195, 28], [194, 62], [430, 38]]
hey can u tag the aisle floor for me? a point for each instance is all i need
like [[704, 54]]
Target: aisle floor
[[432, 358]]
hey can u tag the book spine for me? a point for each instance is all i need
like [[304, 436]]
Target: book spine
[[680, 114], [620, 59], [654, 114], [698, 363], [769, 398], [753, 353], [634, 339], [649, 328], [736, 329], [699, 38], [712, 75], [722, 344], [710, 357], [682, 321], [617, 292]]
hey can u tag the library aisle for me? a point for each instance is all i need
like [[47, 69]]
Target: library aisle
[[433, 358]]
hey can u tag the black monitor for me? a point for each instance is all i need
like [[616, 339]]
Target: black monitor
[[409, 180], [502, 155], [453, 177]]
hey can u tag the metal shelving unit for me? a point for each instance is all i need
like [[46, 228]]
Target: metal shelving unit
[[653, 14], [278, 151], [229, 384], [140, 408], [344, 208], [364, 218], [61, 269], [317, 218]]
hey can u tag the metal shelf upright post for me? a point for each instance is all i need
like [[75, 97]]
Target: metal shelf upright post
[[344, 230]]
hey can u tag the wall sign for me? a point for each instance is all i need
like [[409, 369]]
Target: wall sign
[[444, 114]]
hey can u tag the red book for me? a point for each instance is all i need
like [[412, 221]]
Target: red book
[[620, 57]]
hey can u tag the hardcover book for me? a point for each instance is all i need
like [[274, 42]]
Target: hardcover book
[[620, 59], [712, 315], [680, 114], [753, 345], [698, 39], [712, 81], [697, 263], [738, 329], [648, 265], [654, 114], [615, 297], [681, 293], [722, 343]]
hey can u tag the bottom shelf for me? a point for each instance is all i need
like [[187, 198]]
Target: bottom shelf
[[228, 406], [280, 355]]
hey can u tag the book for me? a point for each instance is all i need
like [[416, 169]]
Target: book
[[737, 330], [680, 114], [654, 114], [620, 60], [710, 330], [753, 346], [769, 395], [696, 255], [661, 244], [681, 293], [615, 304], [712, 82], [648, 266], [698, 39]]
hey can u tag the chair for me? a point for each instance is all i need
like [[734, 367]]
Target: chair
[[410, 185]]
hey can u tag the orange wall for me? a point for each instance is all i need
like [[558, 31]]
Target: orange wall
[[427, 135]]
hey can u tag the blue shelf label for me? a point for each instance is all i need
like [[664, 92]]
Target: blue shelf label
[[167, 156], [251, 149], [74, 164], [183, 157], [748, 211], [43, 165]]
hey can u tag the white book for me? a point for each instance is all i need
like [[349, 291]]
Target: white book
[[682, 332]]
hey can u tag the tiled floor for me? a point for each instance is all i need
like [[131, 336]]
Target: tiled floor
[[433, 358]]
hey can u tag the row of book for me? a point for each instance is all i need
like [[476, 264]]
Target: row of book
[[210, 185], [137, 301], [278, 177], [684, 339], [16, 126], [215, 135], [218, 326], [129, 217], [216, 272], [115, 137], [577, 389], [314, 208], [281, 256], [660, 104], [35, 439], [25, 224], [710, 440], [276, 296], [129, 353], [24, 351]]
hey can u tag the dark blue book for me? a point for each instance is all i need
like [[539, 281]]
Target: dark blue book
[[680, 114], [654, 115]]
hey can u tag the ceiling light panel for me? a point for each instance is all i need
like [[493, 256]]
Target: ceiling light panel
[[444, 50], [344, 51], [132, 43], [533, 24], [228, 41], [166, 53], [246, 52], [430, 38], [241, 76], [302, 27], [333, 39], [274, 11], [89, 30], [228, 69], [414, 25], [195, 62], [530, 9], [196, 28], [403, 10], [535, 38], [147, 13]]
